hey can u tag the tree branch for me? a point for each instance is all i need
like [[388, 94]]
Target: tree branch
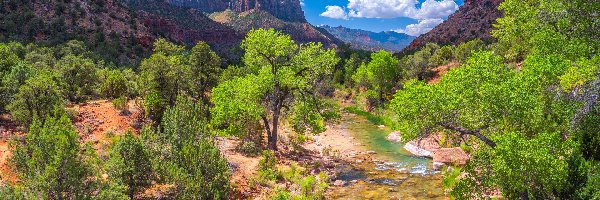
[[475, 133], [266, 122]]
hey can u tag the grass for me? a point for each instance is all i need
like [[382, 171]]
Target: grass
[[377, 119]]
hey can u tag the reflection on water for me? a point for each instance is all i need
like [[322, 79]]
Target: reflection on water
[[394, 173]]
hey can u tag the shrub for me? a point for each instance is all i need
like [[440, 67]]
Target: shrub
[[121, 104], [130, 163], [114, 85], [78, 77], [39, 97], [267, 166], [50, 163], [248, 148]]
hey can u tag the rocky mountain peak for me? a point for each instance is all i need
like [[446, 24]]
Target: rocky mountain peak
[[287, 10]]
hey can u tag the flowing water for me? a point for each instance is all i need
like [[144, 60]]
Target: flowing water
[[393, 174]]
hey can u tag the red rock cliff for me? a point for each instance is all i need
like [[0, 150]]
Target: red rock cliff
[[473, 20], [287, 10]]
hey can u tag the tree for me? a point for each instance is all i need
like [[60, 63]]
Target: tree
[[185, 154], [417, 65], [129, 161], [442, 56], [160, 78], [78, 77], [38, 97], [50, 163], [381, 73], [114, 84], [284, 74], [205, 66]]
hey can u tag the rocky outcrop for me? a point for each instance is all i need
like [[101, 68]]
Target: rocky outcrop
[[287, 10], [429, 147], [472, 20]]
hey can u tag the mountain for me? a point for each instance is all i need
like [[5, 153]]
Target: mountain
[[122, 31], [286, 10], [107, 26], [472, 20], [371, 41]]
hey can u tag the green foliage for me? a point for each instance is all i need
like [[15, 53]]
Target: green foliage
[[205, 70], [130, 163], [38, 97], [442, 56], [418, 65], [120, 104], [114, 84], [50, 163], [267, 166], [463, 51], [529, 26], [537, 167], [185, 154], [283, 74], [77, 76]]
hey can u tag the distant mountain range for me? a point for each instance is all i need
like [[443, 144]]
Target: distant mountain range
[[370, 41]]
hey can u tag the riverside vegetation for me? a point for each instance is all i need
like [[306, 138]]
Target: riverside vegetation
[[525, 107]]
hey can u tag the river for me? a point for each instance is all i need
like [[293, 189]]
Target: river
[[391, 173]]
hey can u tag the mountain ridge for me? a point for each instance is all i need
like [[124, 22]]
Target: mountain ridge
[[474, 19], [370, 41]]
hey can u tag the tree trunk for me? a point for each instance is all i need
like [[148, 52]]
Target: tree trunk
[[273, 137]]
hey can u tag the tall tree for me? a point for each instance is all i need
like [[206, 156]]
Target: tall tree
[[284, 74]]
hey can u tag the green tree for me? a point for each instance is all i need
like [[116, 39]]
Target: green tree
[[50, 163], [78, 77], [442, 56], [38, 97], [114, 84], [161, 78], [382, 73], [130, 162], [205, 70], [283, 75], [463, 51], [185, 154]]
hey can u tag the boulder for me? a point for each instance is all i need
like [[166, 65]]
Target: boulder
[[394, 137], [339, 183], [451, 156], [416, 150]]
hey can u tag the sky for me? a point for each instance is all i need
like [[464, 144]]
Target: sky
[[413, 17]]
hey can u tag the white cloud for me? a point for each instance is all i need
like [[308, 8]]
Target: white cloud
[[432, 9], [335, 12], [430, 13], [423, 26]]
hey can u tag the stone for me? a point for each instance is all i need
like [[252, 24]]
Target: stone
[[394, 137], [438, 165], [339, 183], [381, 126], [451, 156], [371, 152]]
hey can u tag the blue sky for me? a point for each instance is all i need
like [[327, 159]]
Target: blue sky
[[413, 17]]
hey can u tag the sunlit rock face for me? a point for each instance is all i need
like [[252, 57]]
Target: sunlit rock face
[[287, 10], [473, 20]]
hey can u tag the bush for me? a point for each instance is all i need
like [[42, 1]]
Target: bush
[[248, 148], [185, 154], [39, 97], [50, 163], [121, 104], [130, 163], [78, 77], [114, 85], [267, 166]]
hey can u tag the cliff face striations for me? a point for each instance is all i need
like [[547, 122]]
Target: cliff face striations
[[287, 10], [473, 20]]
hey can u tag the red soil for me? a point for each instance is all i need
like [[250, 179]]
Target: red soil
[[440, 71], [97, 118]]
